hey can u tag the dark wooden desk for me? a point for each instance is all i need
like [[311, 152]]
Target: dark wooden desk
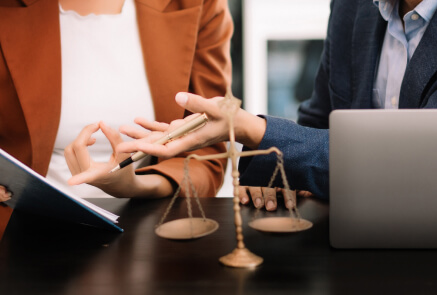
[[44, 257]]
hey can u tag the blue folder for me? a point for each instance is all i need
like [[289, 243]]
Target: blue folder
[[35, 194]]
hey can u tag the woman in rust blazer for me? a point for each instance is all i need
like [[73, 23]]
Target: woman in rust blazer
[[185, 45]]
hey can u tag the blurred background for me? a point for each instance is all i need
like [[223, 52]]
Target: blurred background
[[275, 52]]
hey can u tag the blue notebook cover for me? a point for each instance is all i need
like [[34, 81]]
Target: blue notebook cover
[[33, 193]]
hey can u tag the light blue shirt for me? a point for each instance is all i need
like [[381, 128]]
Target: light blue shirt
[[398, 48]]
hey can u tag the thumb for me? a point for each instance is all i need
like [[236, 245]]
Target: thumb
[[80, 178], [87, 176], [196, 104]]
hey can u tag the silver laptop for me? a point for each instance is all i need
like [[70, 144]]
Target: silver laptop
[[383, 178]]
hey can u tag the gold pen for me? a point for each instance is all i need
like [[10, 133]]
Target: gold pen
[[188, 127]]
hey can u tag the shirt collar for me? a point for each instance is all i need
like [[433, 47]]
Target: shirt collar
[[385, 7], [425, 9]]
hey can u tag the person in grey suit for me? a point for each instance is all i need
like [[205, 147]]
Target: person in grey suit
[[373, 58], [377, 54]]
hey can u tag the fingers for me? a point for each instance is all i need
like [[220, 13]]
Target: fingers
[[133, 132], [146, 145], [197, 104], [266, 197], [137, 133], [260, 197], [305, 194], [76, 153], [170, 149], [114, 139], [243, 194], [257, 196], [111, 134], [255, 193], [5, 195], [151, 125], [84, 177], [289, 198], [263, 196], [269, 198]]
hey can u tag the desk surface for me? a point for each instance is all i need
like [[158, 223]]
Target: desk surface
[[44, 257]]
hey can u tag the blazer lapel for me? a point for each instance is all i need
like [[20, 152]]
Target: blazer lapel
[[367, 41], [30, 40], [169, 43], [420, 70]]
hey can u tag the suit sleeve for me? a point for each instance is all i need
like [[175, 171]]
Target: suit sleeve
[[305, 153], [314, 112], [336, 80], [5, 214]]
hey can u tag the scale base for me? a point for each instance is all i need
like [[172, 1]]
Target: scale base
[[241, 258]]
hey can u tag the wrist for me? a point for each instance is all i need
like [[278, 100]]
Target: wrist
[[249, 129], [138, 186]]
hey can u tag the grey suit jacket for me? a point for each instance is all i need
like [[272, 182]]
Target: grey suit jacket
[[344, 81]]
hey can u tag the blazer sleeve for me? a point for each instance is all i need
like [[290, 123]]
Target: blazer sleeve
[[336, 84], [305, 153], [210, 76], [5, 214], [314, 112]]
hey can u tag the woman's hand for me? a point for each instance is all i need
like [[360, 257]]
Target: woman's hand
[[5, 195], [123, 183], [249, 129]]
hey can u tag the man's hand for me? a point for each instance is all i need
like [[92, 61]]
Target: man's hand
[[265, 197]]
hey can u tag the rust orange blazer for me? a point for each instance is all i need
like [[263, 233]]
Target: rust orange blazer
[[186, 47]]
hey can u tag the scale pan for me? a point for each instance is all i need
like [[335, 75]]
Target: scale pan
[[187, 228], [280, 224]]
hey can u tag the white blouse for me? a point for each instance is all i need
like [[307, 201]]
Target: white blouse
[[103, 78]]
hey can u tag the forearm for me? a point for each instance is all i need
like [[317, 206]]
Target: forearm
[[206, 176], [305, 153], [140, 186], [153, 186]]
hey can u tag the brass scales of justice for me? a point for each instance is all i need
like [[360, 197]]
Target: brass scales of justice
[[196, 227]]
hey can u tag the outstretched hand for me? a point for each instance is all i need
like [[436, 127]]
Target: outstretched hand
[[249, 129], [213, 132]]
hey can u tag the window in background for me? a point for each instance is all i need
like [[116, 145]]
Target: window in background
[[282, 21], [291, 69]]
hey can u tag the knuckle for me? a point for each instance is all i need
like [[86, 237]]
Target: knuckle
[[68, 149], [76, 145]]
